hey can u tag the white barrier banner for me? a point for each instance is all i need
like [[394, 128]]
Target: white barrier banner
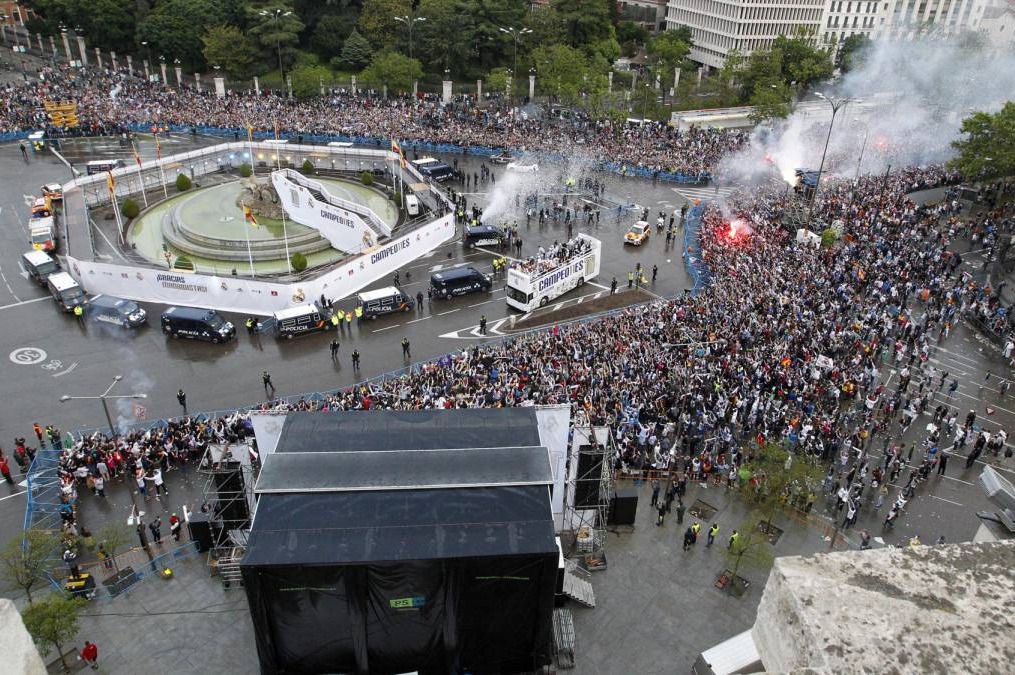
[[252, 296]]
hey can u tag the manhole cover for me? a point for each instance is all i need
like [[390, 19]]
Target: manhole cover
[[702, 510]]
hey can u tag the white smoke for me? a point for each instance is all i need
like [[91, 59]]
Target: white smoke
[[908, 99]]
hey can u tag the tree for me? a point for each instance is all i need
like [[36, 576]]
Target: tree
[[356, 52], [828, 237], [113, 536], [771, 98], [183, 183], [852, 52], [495, 81], [245, 170], [130, 208], [667, 51], [307, 80], [366, 178], [778, 479], [393, 70], [298, 261], [585, 22], [377, 23], [560, 71], [25, 559], [330, 34], [988, 149], [308, 167], [53, 622], [751, 549], [801, 61], [446, 38], [175, 27], [276, 28], [630, 36], [228, 47]]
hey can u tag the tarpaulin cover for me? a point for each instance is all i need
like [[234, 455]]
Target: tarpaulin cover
[[409, 430]]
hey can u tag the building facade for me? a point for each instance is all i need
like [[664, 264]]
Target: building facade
[[649, 14], [721, 26]]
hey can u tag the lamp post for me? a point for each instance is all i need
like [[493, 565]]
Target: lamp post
[[515, 35], [103, 397], [275, 16], [863, 146], [410, 21], [836, 105]]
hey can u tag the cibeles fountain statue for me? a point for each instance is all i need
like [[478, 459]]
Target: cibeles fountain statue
[[260, 197]]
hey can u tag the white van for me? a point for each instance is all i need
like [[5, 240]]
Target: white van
[[412, 205]]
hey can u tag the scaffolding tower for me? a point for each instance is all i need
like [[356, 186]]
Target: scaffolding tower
[[228, 499], [588, 492]]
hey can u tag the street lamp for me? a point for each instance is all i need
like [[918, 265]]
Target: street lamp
[[103, 397], [863, 146], [276, 15], [410, 21], [836, 105], [515, 35]]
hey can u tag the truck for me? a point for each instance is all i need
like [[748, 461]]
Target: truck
[[43, 234], [528, 289]]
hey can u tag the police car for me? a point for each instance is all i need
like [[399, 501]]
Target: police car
[[637, 234]]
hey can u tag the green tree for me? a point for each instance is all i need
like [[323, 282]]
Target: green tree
[[852, 52], [377, 22], [307, 80], [988, 149], [356, 52], [298, 261], [828, 237], [183, 182], [392, 70], [770, 98], [667, 51], [25, 558], [53, 622], [496, 81], [130, 208], [330, 35], [277, 29], [113, 536], [228, 47], [560, 70], [445, 39], [631, 37], [366, 178], [246, 171], [174, 27], [780, 480], [107, 24], [585, 22], [801, 61], [751, 549], [308, 167]]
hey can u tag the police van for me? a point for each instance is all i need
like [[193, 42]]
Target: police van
[[433, 168], [66, 292], [299, 320], [383, 301], [39, 265], [117, 311], [459, 281], [197, 324], [483, 235]]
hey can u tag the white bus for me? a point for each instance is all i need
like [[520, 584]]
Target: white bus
[[528, 290]]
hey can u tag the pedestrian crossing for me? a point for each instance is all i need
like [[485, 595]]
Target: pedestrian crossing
[[705, 194]]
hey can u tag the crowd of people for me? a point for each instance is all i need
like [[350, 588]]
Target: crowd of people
[[549, 259], [109, 102]]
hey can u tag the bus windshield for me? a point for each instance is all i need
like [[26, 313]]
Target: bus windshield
[[517, 295]]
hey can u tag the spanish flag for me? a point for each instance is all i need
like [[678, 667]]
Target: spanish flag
[[158, 148], [401, 156], [137, 157], [249, 217], [250, 133], [111, 184]]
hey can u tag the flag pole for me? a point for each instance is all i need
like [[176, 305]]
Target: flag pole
[[250, 255], [162, 170], [140, 177], [116, 207]]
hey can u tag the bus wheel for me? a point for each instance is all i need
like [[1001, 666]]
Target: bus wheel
[[543, 300], [581, 281]]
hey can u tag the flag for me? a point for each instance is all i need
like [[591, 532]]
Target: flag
[[276, 129], [249, 217], [111, 183], [250, 133], [401, 155], [158, 148], [137, 157]]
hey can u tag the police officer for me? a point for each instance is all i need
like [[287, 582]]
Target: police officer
[[336, 320], [419, 301], [266, 378], [405, 348], [630, 279], [655, 273], [249, 323], [355, 359], [613, 286], [482, 324], [79, 312], [359, 315], [334, 350], [181, 396]]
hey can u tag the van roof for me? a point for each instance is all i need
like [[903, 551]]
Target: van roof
[[298, 310], [484, 227], [454, 273], [378, 293], [104, 162], [36, 258], [37, 134], [107, 301], [62, 281], [188, 312], [425, 160]]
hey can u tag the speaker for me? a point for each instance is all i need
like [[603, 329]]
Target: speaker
[[589, 477], [623, 507], [199, 527]]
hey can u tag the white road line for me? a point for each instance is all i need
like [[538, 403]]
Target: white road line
[[481, 303], [23, 302], [417, 320], [450, 311], [381, 330], [592, 283], [64, 372], [16, 494], [9, 289], [945, 500]]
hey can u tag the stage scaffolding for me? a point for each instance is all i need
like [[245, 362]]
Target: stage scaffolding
[[588, 493], [228, 499]]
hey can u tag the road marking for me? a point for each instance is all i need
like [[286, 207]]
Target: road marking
[[24, 302], [7, 284], [417, 320], [22, 271], [450, 311], [16, 494], [28, 356], [945, 500], [64, 372], [592, 283], [481, 303], [381, 330]]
